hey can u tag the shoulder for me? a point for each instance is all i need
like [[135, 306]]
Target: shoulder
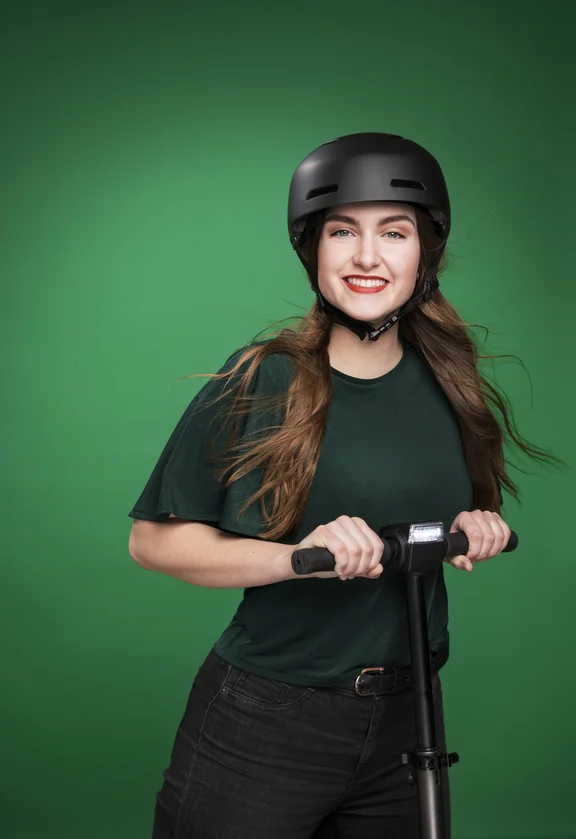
[[273, 371]]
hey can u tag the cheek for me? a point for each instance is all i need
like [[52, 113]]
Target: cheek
[[325, 259], [328, 265], [406, 258]]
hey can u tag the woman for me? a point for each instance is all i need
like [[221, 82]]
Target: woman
[[371, 412]]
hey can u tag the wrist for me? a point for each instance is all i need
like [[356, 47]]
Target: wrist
[[283, 563]]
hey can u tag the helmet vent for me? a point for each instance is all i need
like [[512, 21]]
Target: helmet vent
[[321, 190], [399, 182]]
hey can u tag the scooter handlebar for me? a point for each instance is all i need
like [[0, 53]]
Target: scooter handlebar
[[311, 560], [457, 543]]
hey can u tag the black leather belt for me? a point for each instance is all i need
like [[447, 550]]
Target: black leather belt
[[378, 680]]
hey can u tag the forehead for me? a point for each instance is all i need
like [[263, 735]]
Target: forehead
[[365, 210]]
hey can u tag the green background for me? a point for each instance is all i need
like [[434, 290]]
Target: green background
[[147, 153]]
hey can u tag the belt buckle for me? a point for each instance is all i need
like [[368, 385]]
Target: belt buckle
[[366, 670]]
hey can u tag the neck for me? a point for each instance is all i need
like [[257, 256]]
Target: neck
[[363, 359]]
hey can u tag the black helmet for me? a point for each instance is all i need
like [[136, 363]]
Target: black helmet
[[369, 167]]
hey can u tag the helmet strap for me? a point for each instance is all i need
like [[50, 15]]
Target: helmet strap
[[363, 329]]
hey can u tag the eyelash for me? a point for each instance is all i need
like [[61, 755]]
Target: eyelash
[[342, 229]]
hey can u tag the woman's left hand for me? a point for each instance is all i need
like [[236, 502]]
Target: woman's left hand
[[487, 535]]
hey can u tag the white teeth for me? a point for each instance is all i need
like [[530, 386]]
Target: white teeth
[[365, 283]]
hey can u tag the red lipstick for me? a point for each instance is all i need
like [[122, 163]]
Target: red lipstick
[[363, 289]]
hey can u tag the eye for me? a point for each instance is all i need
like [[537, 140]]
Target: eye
[[344, 230]]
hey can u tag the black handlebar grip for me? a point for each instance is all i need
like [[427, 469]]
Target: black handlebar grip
[[456, 544], [311, 560]]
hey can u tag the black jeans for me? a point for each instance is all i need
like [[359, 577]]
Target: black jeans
[[260, 759]]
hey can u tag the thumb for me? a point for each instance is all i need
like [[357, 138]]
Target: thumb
[[461, 562]]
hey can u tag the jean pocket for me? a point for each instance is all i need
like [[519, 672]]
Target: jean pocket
[[260, 692]]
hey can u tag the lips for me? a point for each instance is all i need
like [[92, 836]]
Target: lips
[[363, 289], [366, 277]]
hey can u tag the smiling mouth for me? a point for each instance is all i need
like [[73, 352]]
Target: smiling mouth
[[365, 286]]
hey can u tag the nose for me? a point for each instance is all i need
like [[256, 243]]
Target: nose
[[366, 253]]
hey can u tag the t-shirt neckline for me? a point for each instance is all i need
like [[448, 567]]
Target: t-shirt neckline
[[394, 372]]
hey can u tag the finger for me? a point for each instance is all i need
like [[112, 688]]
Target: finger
[[359, 561], [332, 542], [353, 540], [501, 532], [462, 563], [487, 534], [358, 528], [374, 566], [507, 533], [494, 539], [468, 524], [373, 547]]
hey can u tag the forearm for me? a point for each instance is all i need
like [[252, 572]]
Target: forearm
[[205, 556]]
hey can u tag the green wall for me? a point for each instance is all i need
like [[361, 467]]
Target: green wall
[[147, 153]]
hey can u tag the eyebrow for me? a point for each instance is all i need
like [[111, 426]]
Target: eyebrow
[[350, 220]]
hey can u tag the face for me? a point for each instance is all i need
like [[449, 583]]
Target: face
[[367, 240]]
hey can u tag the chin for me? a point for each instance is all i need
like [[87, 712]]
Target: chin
[[373, 315]]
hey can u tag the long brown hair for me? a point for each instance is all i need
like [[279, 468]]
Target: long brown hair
[[289, 452]]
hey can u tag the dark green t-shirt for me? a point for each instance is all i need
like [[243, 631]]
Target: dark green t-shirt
[[392, 453]]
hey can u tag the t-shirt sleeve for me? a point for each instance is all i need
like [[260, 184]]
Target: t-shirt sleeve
[[184, 483]]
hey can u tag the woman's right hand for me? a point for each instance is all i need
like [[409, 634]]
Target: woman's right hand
[[356, 547]]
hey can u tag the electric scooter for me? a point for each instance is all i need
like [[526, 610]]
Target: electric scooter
[[414, 549]]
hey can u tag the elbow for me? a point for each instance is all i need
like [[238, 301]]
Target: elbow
[[137, 557], [135, 548]]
